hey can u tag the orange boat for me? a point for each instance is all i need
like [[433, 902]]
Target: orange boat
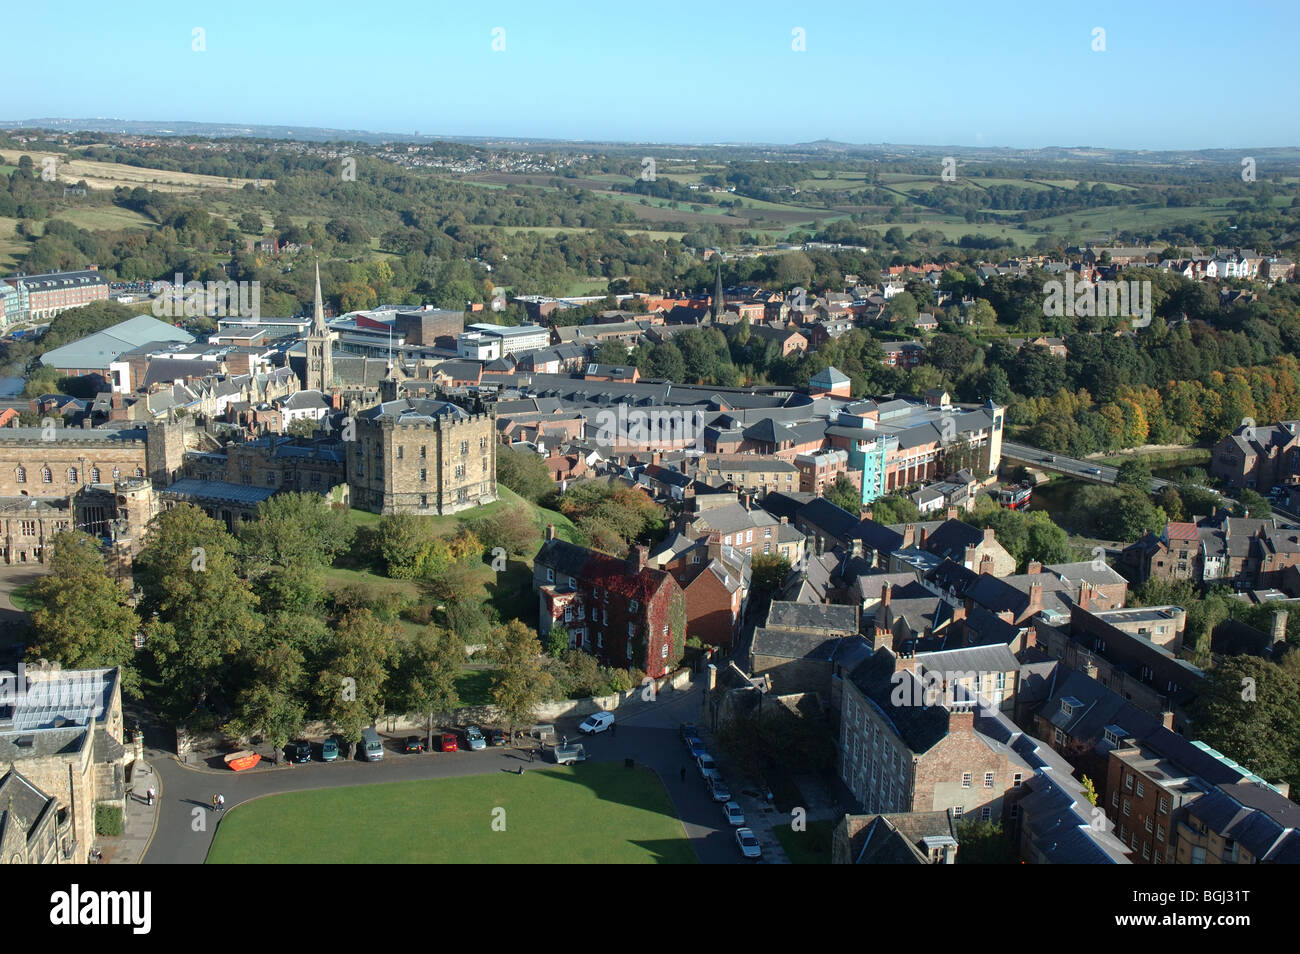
[[238, 761]]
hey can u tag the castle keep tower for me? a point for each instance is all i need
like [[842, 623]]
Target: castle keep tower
[[422, 456]]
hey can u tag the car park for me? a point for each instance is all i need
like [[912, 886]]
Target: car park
[[300, 751], [719, 791], [474, 739], [448, 742], [596, 722], [747, 843], [496, 737], [734, 816], [707, 766], [329, 750], [413, 744]]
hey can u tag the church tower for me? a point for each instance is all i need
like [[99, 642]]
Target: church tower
[[319, 341]]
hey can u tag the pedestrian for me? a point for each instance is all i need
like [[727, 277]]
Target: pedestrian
[[521, 770], [564, 740], [683, 773], [149, 794], [530, 755], [221, 803], [214, 801]]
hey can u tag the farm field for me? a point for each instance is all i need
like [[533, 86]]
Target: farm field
[[109, 175]]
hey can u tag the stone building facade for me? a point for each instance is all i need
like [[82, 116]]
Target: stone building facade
[[64, 733], [59, 461], [422, 456]]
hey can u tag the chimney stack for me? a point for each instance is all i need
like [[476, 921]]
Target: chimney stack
[[1085, 595], [1034, 567], [909, 535], [821, 544], [637, 559], [550, 531], [1035, 599], [952, 513], [1279, 629], [923, 536]]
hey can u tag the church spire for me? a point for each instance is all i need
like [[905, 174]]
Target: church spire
[[318, 316], [718, 303]]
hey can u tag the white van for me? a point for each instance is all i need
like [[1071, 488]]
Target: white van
[[372, 747], [596, 722]]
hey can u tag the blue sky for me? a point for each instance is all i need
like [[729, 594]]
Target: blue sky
[[1188, 75]]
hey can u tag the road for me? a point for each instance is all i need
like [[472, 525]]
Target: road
[[649, 734]]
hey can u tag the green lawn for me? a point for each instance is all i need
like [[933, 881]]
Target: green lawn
[[473, 686], [585, 814], [21, 598], [810, 847]]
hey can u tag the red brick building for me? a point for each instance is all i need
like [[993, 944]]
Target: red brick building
[[56, 292], [622, 611]]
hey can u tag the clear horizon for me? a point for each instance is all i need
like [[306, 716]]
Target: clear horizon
[[681, 75]]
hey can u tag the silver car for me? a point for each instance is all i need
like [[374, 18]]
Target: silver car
[[708, 768], [735, 817], [747, 843]]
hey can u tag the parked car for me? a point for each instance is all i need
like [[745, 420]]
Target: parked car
[[747, 843], [708, 768], [718, 789], [448, 742], [372, 746], [413, 743], [696, 748], [735, 817], [688, 731], [474, 739], [568, 754], [300, 751], [329, 750], [596, 722], [496, 737]]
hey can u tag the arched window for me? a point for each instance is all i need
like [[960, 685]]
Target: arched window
[[46, 476], [139, 472], [72, 475], [21, 475], [94, 475]]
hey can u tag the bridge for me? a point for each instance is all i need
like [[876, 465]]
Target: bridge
[[1072, 467]]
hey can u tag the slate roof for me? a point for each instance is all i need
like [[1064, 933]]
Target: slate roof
[[794, 644], [951, 538], [1255, 816], [893, 839], [822, 617], [920, 727], [219, 490]]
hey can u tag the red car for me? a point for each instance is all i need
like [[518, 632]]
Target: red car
[[449, 742]]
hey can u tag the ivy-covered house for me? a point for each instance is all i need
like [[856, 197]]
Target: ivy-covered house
[[624, 612]]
